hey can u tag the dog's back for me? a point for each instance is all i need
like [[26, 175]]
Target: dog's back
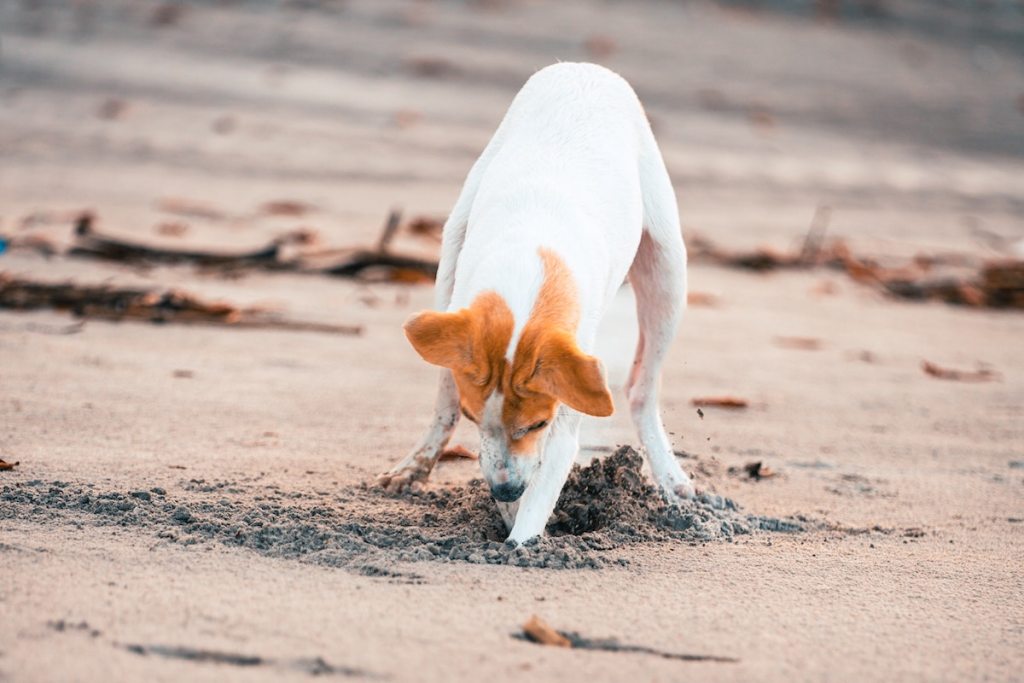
[[575, 125], [563, 170]]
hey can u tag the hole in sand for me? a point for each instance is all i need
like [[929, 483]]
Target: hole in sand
[[605, 506]]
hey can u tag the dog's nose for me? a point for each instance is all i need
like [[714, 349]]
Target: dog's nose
[[507, 492]]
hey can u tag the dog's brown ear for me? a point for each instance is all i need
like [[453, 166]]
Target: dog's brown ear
[[441, 338], [573, 377]]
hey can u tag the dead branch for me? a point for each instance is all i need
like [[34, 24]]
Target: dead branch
[[105, 302], [390, 228], [994, 284], [536, 630], [980, 375], [90, 243], [399, 268], [377, 264]]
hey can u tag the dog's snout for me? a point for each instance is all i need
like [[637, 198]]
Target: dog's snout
[[507, 492]]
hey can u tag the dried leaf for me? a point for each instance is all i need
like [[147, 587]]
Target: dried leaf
[[172, 228], [111, 108], [406, 118], [426, 226], [801, 343], [222, 125], [167, 14], [285, 207], [758, 471], [410, 276], [538, 631], [825, 288], [761, 117], [430, 67], [458, 452], [720, 402], [169, 306], [701, 299], [600, 46], [980, 375], [752, 470], [4, 465]]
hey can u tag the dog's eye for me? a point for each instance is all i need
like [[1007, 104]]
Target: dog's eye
[[466, 413], [537, 425]]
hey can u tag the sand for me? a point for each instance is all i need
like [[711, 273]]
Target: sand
[[604, 506], [193, 503]]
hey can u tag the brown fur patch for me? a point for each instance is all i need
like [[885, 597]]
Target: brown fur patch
[[548, 366], [470, 342]]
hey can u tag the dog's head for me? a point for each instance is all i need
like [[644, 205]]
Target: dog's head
[[513, 402]]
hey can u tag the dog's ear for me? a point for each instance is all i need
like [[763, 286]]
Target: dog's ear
[[573, 377], [441, 338]]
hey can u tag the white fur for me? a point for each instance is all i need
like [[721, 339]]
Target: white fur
[[573, 167]]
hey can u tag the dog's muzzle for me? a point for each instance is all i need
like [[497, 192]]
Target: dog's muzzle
[[507, 492]]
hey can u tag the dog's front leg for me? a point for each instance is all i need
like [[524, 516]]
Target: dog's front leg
[[540, 497], [414, 468]]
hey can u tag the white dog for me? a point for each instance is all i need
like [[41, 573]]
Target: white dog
[[569, 196]]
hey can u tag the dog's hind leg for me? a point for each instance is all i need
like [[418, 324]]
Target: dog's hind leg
[[540, 497], [658, 277]]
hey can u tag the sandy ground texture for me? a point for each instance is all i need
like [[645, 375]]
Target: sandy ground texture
[[192, 502]]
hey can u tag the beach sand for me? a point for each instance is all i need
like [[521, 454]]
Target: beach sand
[[190, 500]]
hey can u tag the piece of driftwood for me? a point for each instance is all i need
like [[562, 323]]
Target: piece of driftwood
[[538, 631], [753, 470], [799, 343], [720, 402], [996, 284], [761, 259], [107, 302], [90, 243], [980, 375], [395, 268], [388, 266], [377, 263], [535, 630], [1003, 283], [458, 452], [993, 284]]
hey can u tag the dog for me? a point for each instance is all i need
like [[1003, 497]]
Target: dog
[[569, 197]]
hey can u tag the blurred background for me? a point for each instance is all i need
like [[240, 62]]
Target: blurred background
[[212, 162], [174, 120]]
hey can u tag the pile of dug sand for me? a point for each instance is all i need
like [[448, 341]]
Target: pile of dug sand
[[604, 506]]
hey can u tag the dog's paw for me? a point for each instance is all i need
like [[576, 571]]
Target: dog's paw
[[679, 493], [686, 491], [405, 479]]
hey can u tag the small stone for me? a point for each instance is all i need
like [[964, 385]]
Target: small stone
[[141, 495]]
